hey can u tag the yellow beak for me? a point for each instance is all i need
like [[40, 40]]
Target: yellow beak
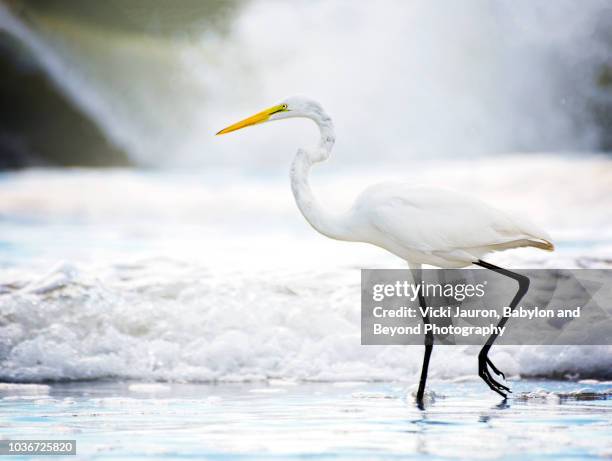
[[260, 117]]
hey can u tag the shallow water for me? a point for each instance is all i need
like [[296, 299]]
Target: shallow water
[[126, 278], [288, 420]]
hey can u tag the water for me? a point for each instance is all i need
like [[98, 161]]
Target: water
[[281, 419], [190, 312], [409, 80], [201, 277], [195, 315]]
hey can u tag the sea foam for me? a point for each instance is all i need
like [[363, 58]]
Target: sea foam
[[184, 277]]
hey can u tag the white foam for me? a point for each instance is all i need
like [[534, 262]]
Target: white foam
[[182, 278], [267, 390], [24, 388], [588, 381]]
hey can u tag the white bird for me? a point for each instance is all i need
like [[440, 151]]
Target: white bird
[[421, 225]]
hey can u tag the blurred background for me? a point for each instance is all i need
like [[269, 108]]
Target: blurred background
[[147, 83], [166, 253]]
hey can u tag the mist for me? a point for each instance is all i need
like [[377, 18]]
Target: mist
[[404, 81]]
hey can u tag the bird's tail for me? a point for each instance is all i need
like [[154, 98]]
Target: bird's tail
[[546, 245]]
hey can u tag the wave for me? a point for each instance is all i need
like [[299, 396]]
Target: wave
[[209, 277], [167, 321], [408, 80]]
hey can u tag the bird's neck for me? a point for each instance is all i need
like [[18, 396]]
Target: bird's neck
[[328, 224]]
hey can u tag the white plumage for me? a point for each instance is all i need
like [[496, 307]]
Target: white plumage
[[439, 227], [421, 225]]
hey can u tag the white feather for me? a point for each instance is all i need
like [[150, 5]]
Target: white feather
[[421, 225], [439, 227]]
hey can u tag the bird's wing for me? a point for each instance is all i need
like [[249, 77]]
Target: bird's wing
[[439, 220]]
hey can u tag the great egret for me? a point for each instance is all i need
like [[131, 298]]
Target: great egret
[[421, 225]]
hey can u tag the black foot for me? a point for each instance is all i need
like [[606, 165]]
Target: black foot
[[483, 371], [494, 368]]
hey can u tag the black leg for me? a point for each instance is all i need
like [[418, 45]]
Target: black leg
[[429, 340], [483, 359]]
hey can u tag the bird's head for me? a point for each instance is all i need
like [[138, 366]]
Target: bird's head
[[295, 106]]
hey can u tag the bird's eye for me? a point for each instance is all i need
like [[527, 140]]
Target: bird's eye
[[284, 106]]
